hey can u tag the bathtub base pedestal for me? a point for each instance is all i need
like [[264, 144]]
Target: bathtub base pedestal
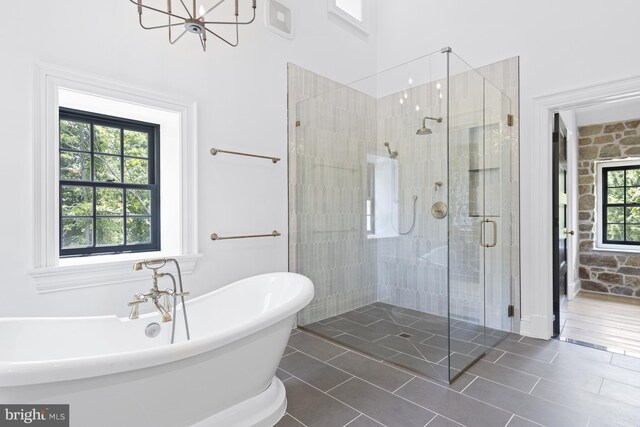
[[263, 410]]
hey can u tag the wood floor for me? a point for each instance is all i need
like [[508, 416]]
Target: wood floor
[[604, 320]]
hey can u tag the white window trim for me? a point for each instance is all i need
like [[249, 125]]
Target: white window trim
[[48, 274], [360, 25], [599, 193]]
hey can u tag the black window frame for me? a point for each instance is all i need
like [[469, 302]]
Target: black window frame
[[153, 130], [605, 205]]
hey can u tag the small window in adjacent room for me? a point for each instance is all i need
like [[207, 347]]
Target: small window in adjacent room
[[619, 205], [109, 184], [354, 12]]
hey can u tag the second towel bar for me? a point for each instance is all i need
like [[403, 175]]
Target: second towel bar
[[215, 151], [274, 233]]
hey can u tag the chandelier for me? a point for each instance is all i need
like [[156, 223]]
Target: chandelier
[[195, 21]]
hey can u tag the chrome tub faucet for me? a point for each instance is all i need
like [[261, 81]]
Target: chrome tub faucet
[[155, 294]]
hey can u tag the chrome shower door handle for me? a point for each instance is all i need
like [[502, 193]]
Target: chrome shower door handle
[[495, 233]]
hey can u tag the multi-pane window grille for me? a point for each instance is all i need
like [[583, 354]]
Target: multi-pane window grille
[[109, 184], [621, 205]]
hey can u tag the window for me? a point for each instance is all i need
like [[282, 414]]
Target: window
[[351, 7], [61, 93], [109, 184], [355, 12], [371, 198], [620, 203]]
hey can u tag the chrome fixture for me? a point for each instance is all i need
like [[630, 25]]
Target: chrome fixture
[[195, 22], [156, 294], [439, 210], [274, 233], [152, 330], [215, 151], [425, 130], [392, 154], [495, 233], [413, 222]]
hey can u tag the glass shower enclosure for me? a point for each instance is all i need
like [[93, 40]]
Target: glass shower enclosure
[[399, 188]]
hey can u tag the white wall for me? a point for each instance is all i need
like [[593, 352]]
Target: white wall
[[242, 101], [562, 45]]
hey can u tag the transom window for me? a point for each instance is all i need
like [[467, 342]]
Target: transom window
[[352, 8], [355, 12], [621, 204], [109, 184]]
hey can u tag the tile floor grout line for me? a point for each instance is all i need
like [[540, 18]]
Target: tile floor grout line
[[338, 400], [562, 406], [352, 420], [465, 387], [534, 386], [429, 422], [338, 385], [374, 385], [286, 413], [407, 382], [335, 357], [512, 415], [499, 357], [554, 358], [531, 421], [560, 384]]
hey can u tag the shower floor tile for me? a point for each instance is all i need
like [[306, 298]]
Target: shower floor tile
[[416, 340]]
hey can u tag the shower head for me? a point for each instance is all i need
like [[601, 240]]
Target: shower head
[[425, 130]]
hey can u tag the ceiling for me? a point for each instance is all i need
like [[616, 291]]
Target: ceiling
[[612, 111]]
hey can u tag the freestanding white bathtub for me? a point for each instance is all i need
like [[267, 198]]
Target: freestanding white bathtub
[[112, 374]]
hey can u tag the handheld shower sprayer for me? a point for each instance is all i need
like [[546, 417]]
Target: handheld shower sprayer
[[392, 154]]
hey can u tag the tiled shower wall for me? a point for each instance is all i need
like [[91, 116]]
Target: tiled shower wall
[[329, 127], [412, 269], [337, 134]]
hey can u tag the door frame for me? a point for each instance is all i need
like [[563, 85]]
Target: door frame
[[537, 279]]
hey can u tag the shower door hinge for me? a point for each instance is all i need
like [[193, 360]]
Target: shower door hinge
[[511, 311], [510, 119]]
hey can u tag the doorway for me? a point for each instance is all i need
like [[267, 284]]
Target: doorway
[[600, 305]]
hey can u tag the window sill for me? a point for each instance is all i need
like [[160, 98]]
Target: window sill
[[616, 250], [87, 272], [381, 236]]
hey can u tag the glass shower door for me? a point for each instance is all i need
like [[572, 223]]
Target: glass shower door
[[479, 216], [497, 229]]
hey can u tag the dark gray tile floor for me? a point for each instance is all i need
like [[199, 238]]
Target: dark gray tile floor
[[410, 338], [523, 382]]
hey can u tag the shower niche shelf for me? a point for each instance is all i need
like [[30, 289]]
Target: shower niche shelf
[[484, 175]]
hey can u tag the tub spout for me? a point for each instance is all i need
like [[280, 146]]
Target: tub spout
[[135, 312], [166, 317]]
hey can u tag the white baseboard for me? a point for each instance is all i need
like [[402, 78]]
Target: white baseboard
[[573, 289], [535, 327]]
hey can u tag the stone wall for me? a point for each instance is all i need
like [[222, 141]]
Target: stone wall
[[607, 272]]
